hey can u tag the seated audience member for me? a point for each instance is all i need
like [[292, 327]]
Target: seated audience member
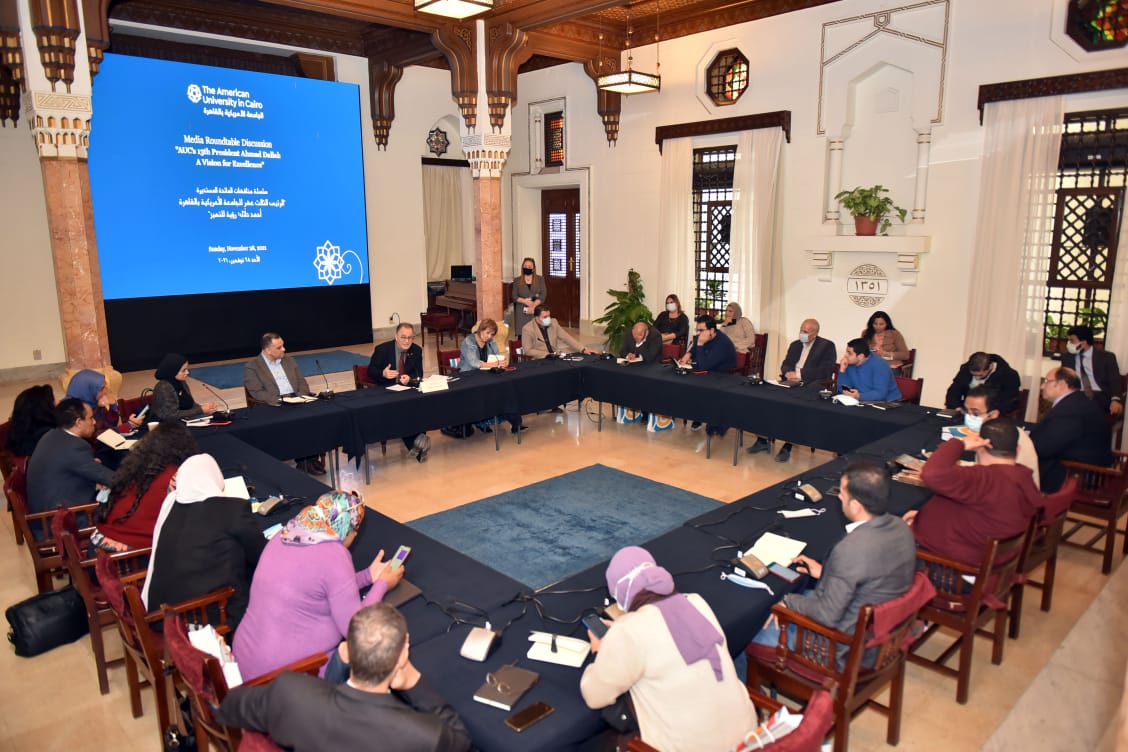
[[62, 469], [139, 488], [971, 506], [643, 345], [668, 651], [172, 399], [477, 348], [737, 328], [1074, 429], [203, 541], [542, 336], [809, 359], [673, 323], [274, 375], [33, 414], [91, 387], [884, 340], [711, 351], [874, 562], [979, 406], [1096, 369], [400, 361], [991, 371], [386, 704], [305, 590], [865, 376]]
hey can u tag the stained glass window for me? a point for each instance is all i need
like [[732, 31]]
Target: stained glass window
[[727, 77], [1098, 24], [554, 139]]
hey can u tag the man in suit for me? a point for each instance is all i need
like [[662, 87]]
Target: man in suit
[[274, 375], [971, 506], [62, 469], [1073, 429], [400, 361], [809, 358], [644, 345], [873, 563], [1097, 369], [542, 336], [710, 350], [386, 704], [991, 371]]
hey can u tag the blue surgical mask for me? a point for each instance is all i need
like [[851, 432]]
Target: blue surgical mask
[[973, 422], [804, 337], [546, 322]]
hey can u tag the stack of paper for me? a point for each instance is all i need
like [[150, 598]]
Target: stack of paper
[[434, 383]]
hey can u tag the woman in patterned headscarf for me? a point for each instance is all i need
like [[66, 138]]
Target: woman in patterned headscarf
[[305, 590]]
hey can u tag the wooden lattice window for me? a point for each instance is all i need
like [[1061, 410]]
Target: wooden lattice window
[[554, 139], [726, 79], [712, 221]]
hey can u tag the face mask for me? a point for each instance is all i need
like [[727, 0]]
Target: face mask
[[671, 307], [528, 271], [804, 337], [1072, 348], [973, 422], [546, 322]]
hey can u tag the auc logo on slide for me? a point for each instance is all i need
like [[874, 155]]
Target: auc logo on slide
[[331, 264]]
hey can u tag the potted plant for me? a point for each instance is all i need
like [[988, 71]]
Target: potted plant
[[870, 209], [625, 310], [1093, 317], [1055, 337]]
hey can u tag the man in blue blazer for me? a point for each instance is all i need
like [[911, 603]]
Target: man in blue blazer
[[62, 469]]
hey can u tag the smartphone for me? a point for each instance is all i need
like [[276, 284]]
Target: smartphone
[[142, 411], [522, 719], [595, 624], [784, 573], [398, 559]]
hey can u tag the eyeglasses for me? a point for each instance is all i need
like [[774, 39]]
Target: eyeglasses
[[1047, 381]]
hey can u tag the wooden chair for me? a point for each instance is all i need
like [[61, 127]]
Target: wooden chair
[[910, 389], [200, 676], [906, 368], [448, 361], [874, 658], [99, 614], [1019, 412], [967, 608], [818, 717], [10, 464], [514, 356], [743, 358], [1040, 547], [1100, 496], [438, 322], [672, 352], [757, 355], [132, 405], [35, 528]]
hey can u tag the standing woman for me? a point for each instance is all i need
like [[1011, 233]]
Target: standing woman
[[528, 293], [672, 323], [884, 339], [172, 399]]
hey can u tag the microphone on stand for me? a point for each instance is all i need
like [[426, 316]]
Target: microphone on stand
[[328, 393], [223, 415]]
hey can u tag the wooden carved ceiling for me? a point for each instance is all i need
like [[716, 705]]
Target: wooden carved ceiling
[[521, 35]]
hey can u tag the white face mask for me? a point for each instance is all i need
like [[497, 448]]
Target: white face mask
[[804, 337], [671, 307], [546, 322], [1073, 348], [973, 422]]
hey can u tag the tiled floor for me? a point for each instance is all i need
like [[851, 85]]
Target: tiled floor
[[51, 702]]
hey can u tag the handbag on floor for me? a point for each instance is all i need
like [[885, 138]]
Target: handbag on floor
[[46, 621]]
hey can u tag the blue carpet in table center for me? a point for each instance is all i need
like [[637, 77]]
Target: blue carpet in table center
[[549, 530], [231, 374]]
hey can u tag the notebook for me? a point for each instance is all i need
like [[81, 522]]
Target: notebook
[[506, 686], [401, 594]]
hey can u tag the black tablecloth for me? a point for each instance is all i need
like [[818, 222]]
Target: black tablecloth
[[287, 432]]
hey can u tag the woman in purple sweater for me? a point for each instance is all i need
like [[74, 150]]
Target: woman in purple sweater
[[305, 591]]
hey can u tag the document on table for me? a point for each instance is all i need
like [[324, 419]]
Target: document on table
[[776, 549], [299, 399], [115, 440], [397, 388]]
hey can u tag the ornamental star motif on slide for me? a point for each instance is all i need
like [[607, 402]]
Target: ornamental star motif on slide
[[331, 265]]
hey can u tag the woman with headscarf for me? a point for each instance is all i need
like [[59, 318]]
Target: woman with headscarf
[[669, 652], [737, 328], [33, 414], [305, 590], [203, 541], [91, 387], [172, 399]]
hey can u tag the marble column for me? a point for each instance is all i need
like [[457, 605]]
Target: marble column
[[487, 252]]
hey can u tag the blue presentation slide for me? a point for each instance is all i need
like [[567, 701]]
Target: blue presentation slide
[[209, 180]]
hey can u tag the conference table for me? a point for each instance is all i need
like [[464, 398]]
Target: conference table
[[459, 592]]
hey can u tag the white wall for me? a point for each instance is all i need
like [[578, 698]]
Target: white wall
[[986, 44]]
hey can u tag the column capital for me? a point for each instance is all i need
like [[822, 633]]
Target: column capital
[[487, 153], [60, 124]]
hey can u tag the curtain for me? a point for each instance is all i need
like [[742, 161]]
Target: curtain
[[443, 215], [675, 228], [1013, 235], [755, 266]]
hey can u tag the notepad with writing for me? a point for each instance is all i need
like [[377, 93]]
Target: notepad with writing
[[504, 686], [776, 549]]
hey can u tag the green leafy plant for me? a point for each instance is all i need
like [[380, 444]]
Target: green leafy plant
[[625, 310], [1094, 318], [868, 202]]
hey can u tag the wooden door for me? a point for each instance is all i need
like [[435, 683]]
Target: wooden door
[[560, 253]]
